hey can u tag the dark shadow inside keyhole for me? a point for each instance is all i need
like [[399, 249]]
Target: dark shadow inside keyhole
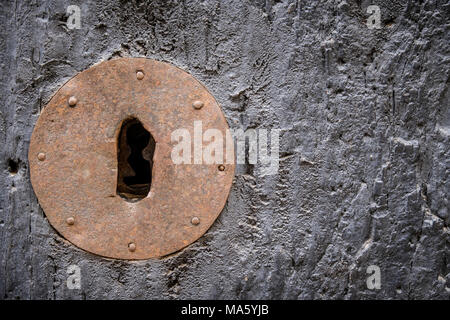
[[136, 147]]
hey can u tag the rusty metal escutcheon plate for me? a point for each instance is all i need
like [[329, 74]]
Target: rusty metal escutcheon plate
[[74, 164]]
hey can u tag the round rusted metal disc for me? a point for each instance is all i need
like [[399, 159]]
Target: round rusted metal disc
[[74, 166]]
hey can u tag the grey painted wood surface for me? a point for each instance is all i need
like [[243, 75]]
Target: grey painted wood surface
[[364, 146]]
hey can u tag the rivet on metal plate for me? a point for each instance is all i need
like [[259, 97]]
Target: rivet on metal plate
[[132, 247], [197, 104], [139, 75], [72, 101]]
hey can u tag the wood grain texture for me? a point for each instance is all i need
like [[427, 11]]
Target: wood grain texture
[[364, 146]]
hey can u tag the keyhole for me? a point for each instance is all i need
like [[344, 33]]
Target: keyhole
[[136, 147]]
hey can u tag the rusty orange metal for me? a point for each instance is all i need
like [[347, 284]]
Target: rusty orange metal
[[74, 165]]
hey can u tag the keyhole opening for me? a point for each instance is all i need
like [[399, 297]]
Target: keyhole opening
[[136, 147]]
